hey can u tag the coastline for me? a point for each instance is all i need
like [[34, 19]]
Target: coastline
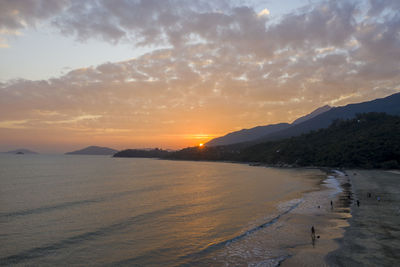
[[349, 235], [329, 222], [373, 236]]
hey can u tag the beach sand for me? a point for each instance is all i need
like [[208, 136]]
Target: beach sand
[[287, 240], [349, 235], [373, 237], [329, 222]]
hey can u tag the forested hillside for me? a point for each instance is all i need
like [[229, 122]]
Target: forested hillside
[[370, 140]]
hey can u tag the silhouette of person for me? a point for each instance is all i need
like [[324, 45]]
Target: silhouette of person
[[313, 235], [358, 203], [331, 204]]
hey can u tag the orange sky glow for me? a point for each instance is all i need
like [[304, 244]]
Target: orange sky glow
[[171, 76]]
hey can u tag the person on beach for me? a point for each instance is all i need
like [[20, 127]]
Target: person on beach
[[313, 235]]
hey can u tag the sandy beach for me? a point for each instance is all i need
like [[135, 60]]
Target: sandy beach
[[352, 235], [329, 222], [373, 237]]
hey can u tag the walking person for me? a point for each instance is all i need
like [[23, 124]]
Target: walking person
[[313, 235]]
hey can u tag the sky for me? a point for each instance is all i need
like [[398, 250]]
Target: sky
[[176, 73]]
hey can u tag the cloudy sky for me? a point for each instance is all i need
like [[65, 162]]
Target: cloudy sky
[[174, 73]]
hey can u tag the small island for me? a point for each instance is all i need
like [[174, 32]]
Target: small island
[[22, 151], [94, 150]]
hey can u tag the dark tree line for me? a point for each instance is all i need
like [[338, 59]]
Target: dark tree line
[[370, 140]]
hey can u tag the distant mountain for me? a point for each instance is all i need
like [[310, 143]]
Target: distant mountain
[[370, 140], [142, 153], [22, 151], [313, 114], [93, 150], [319, 118], [389, 105], [246, 135]]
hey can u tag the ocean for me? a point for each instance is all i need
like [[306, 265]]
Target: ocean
[[103, 211]]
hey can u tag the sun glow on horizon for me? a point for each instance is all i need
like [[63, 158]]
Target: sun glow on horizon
[[171, 81]]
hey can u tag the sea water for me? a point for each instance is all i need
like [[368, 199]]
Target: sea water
[[103, 211]]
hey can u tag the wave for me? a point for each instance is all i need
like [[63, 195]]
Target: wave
[[71, 204], [45, 250], [191, 258], [277, 261], [251, 231]]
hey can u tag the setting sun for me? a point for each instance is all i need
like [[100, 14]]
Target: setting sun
[[154, 114]]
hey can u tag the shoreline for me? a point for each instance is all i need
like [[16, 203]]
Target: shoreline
[[329, 222], [373, 235], [338, 228]]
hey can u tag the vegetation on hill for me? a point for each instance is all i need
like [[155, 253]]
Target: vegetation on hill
[[318, 119], [93, 150], [142, 153], [246, 135], [370, 140], [389, 105]]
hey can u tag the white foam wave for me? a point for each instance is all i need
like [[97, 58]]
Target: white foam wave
[[269, 263]]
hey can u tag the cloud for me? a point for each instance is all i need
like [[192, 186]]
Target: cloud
[[264, 12], [18, 14], [13, 124], [378, 7], [221, 61]]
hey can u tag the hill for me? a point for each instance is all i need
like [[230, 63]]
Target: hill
[[318, 119], [141, 153], [93, 150], [246, 135], [389, 105], [313, 114], [249, 135], [367, 141]]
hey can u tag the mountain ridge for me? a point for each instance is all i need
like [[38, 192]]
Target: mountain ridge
[[369, 140], [93, 150], [389, 105], [311, 115], [254, 133], [246, 135]]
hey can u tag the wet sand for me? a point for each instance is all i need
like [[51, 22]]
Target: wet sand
[[329, 223], [373, 238]]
